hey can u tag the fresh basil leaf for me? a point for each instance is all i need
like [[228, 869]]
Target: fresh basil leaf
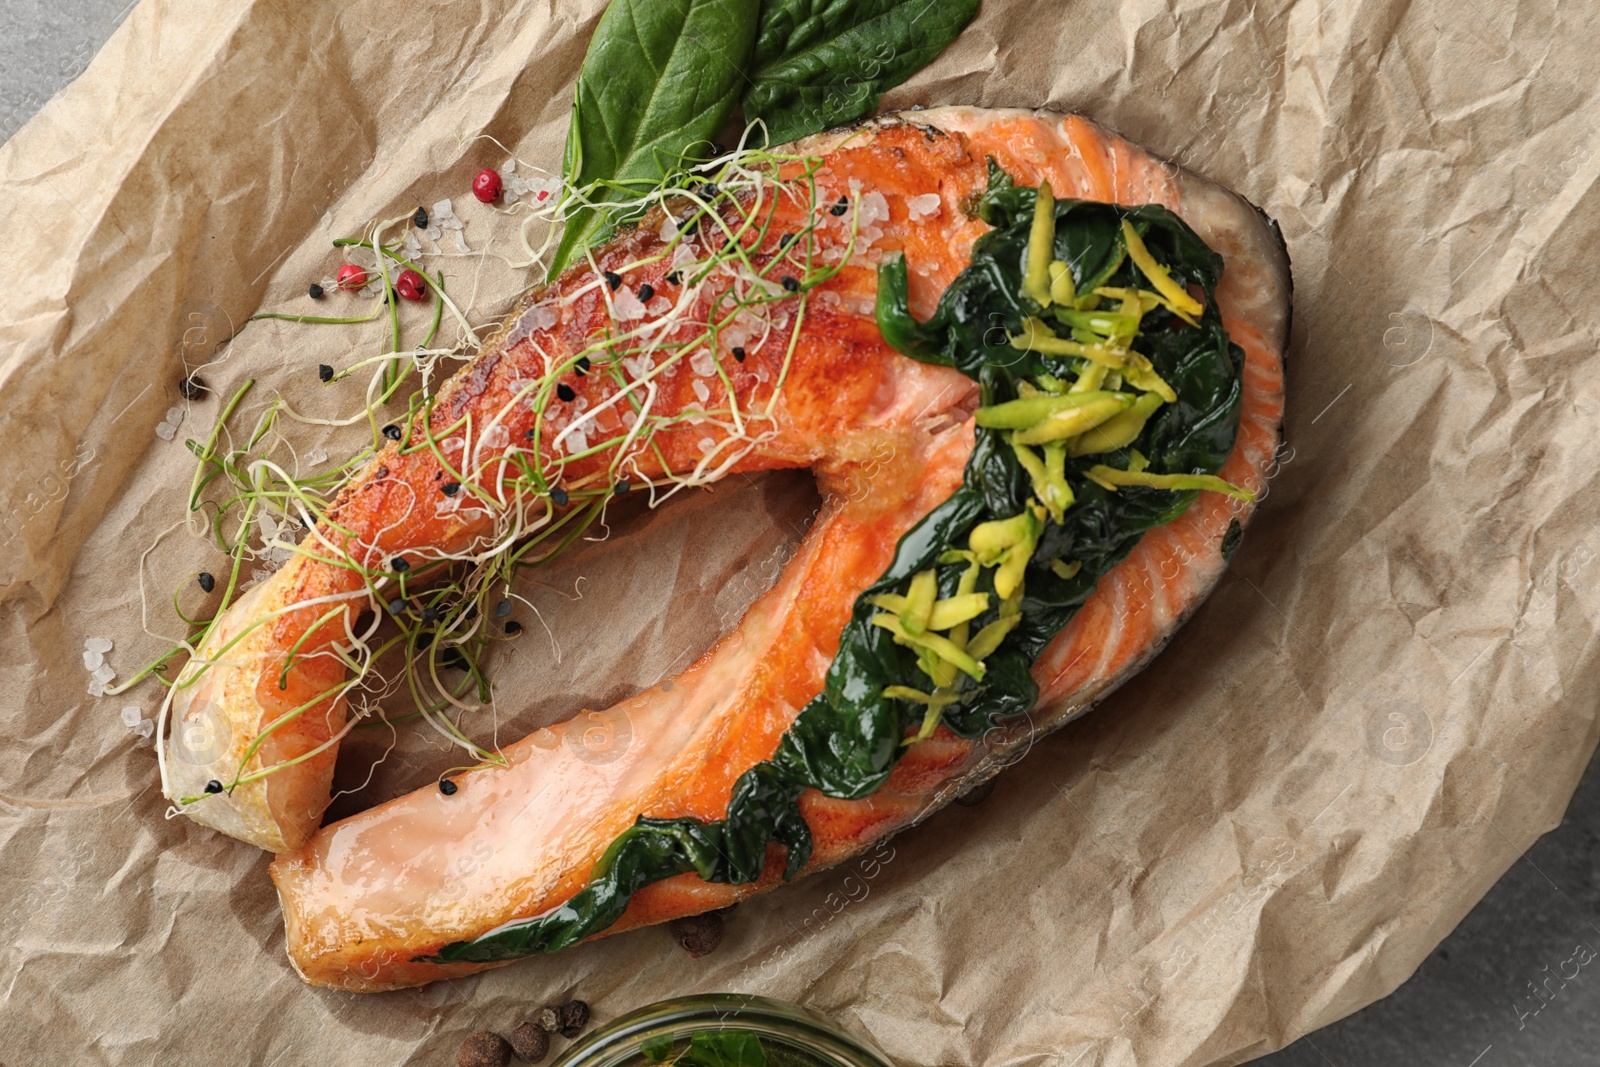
[[657, 1049], [659, 76], [820, 63], [727, 1048]]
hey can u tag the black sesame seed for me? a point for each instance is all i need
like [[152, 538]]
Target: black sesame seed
[[583, 364], [840, 206], [531, 431], [193, 387], [791, 283], [316, 291], [738, 353], [452, 658], [502, 609], [207, 582], [438, 474], [564, 391], [399, 565], [420, 219], [622, 487], [450, 488], [718, 148], [430, 614], [383, 472], [213, 786], [786, 240], [646, 291], [397, 605], [325, 372], [392, 432], [558, 497], [447, 787], [613, 279], [513, 628], [675, 277], [709, 190]]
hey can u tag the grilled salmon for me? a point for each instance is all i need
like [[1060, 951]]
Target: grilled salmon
[[370, 902]]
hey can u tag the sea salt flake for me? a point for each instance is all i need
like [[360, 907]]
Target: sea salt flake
[[461, 243], [92, 660], [131, 717], [577, 441], [98, 644], [496, 437], [103, 674], [175, 415], [628, 306], [146, 729], [668, 228], [701, 393], [706, 445], [412, 247], [704, 363], [445, 215], [922, 206], [659, 306], [317, 455], [166, 431]]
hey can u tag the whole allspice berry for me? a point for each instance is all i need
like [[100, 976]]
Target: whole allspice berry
[[531, 1043], [484, 1049], [574, 1017], [548, 1018], [698, 934]]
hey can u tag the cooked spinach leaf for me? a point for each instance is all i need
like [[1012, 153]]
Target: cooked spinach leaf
[[821, 63], [659, 77], [847, 740]]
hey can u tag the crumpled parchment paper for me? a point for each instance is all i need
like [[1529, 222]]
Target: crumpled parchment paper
[[1390, 696]]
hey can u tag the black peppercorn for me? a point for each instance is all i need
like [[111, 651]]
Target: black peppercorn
[[193, 387], [698, 934], [574, 1017]]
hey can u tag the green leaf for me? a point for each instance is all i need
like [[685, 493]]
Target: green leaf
[[727, 1048], [821, 63], [657, 1049], [659, 76]]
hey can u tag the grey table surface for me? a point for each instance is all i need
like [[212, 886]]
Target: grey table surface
[[1489, 996]]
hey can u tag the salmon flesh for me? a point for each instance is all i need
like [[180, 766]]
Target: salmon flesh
[[371, 902]]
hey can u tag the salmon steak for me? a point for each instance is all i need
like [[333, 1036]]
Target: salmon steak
[[1038, 375]]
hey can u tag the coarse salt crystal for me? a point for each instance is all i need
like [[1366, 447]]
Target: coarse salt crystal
[[98, 644], [412, 247], [103, 674], [496, 437], [577, 440], [146, 729], [706, 445], [445, 215], [92, 660], [704, 363], [131, 717], [874, 208], [461, 243], [668, 228], [924, 205], [175, 415], [701, 393], [659, 306], [317, 455], [97, 688], [628, 306], [269, 527], [166, 431]]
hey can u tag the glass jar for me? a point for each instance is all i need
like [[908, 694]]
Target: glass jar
[[791, 1035]]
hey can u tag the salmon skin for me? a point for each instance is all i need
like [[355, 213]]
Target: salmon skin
[[432, 886]]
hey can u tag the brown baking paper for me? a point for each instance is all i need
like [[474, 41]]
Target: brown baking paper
[[1389, 697]]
